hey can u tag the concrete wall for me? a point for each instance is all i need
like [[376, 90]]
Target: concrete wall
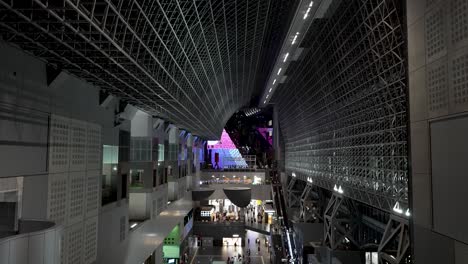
[[147, 204], [137, 207], [39, 247], [438, 84], [53, 134], [29, 106], [35, 197], [112, 234], [142, 125]]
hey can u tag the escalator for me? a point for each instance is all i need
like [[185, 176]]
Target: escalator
[[285, 232]]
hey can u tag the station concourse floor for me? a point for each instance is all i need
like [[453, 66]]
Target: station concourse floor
[[204, 255]]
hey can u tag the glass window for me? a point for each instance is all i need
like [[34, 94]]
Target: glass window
[[136, 178], [109, 173], [161, 152], [140, 149]]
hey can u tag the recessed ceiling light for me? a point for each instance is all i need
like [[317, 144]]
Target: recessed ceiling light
[[307, 13], [295, 38]]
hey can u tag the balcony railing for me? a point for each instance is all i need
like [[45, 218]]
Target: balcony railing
[[37, 241]]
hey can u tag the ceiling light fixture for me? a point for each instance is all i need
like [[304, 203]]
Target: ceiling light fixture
[[294, 39], [407, 213], [397, 208], [307, 13]]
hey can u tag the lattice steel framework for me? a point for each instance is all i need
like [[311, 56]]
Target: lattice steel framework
[[191, 62], [343, 109]]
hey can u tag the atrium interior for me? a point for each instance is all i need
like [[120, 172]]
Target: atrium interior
[[233, 131]]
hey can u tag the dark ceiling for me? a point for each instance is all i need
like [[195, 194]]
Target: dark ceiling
[[191, 62]]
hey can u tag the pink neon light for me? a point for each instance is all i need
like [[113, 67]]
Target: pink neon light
[[224, 143]]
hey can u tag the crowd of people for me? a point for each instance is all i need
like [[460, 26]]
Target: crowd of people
[[254, 214]]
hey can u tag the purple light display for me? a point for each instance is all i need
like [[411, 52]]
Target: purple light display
[[229, 155]]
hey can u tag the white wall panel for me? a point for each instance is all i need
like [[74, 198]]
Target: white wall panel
[[78, 137], [93, 193], [75, 244], [63, 242], [59, 144], [18, 251], [76, 202], [90, 240], [94, 147], [57, 197], [52, 247], [36, 249], [4, 252], [137, 205]]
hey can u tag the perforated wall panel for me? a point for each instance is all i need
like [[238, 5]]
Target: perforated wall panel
[[90, 242], [76, 202], [435, 33], [92, 193], [63, 242], [437, 87], [74, 193], [77, 145], [459, 79], [459, 20], [94, 147], [75, 244], [58, 144], [57, 197]]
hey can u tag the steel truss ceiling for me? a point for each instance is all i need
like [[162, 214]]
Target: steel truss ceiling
[[192, 62], [343, 110]]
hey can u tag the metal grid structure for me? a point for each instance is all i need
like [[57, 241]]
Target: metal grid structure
[[191, 62], [343, 109]]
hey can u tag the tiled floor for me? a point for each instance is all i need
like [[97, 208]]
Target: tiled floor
[[215, 254]]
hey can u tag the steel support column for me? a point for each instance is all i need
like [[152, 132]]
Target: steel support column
[[293, 198], [310, 207], [394, 247], [341, 221]]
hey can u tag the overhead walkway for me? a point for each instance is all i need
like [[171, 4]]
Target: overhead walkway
[[145, 239], [259, 228]]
